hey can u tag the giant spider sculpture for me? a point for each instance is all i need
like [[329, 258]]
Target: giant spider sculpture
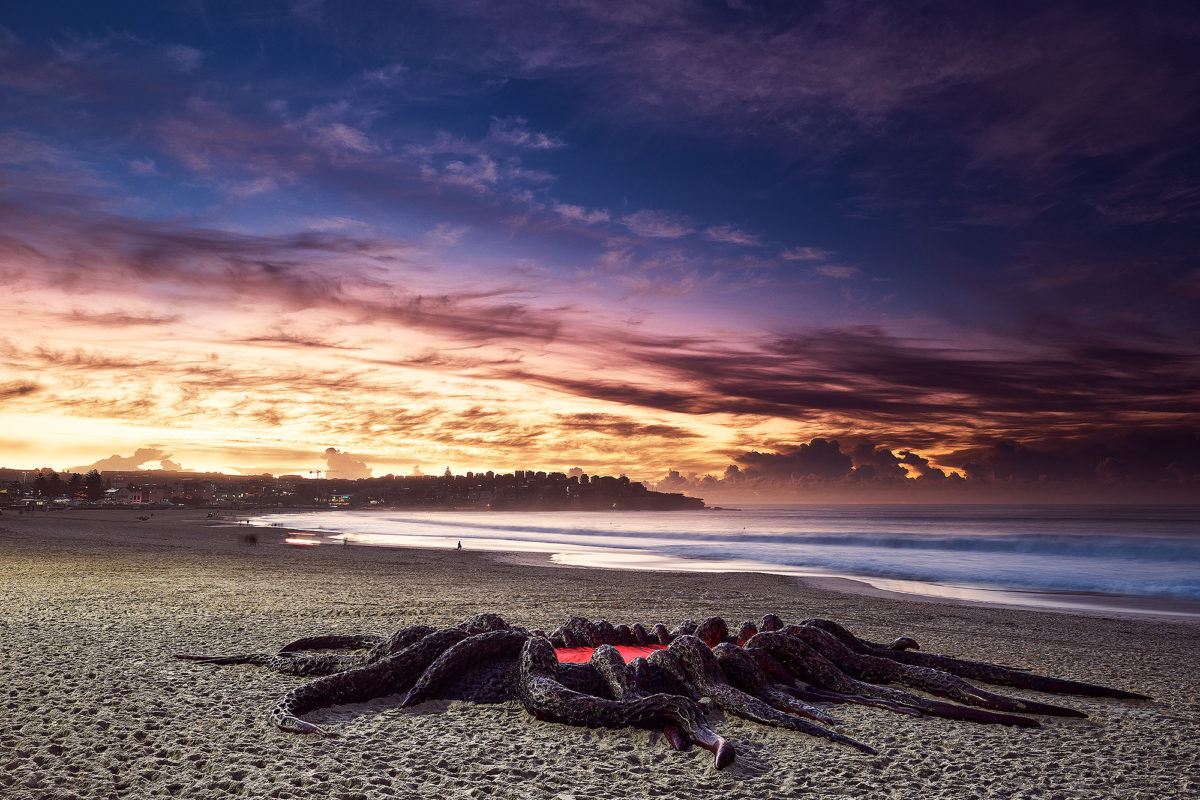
[[771, 673]]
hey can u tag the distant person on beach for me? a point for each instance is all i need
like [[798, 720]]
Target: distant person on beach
[[459, 545]]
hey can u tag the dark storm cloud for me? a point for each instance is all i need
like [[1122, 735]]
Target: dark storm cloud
[[924, 470], [617, 425], [1161, 464], [1154, 455], [870, 374], [681, 400], [873, 463], [1100, 376], [819, 459]]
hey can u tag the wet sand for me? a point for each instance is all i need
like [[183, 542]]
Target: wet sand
[[93, 604]]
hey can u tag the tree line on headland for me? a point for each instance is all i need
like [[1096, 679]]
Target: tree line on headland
[[518, 490], [49, 485]]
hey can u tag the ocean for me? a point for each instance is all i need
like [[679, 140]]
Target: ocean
[[1097, 556]]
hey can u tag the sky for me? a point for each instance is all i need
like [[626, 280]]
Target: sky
[[826, 251]]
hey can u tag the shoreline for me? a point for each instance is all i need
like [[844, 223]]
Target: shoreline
[[926, 591], [95, 605]]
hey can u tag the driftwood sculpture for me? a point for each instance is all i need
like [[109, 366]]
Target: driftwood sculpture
[[770, 673]]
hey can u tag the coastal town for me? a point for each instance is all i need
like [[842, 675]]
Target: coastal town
[[47, 490]]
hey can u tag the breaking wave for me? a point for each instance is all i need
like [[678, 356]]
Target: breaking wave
[[1140, 551]]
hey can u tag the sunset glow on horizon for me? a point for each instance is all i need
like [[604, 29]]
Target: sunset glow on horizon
[[919, 253]]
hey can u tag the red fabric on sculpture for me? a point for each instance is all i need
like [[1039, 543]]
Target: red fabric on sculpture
[[580, 655]]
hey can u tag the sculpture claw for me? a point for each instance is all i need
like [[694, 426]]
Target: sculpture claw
[[676, 737], [720, 747], [903, 643], [725, 755], [297, 725]]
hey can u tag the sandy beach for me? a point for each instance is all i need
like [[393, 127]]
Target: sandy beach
[[94, 604]]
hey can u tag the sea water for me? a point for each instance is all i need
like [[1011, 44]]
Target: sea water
[[1007, 553]]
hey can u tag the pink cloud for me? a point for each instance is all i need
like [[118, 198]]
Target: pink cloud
[[515, 131], [728, 234], [581, 214], [340, 136], [658, 224], [836, 271], [805, 254]]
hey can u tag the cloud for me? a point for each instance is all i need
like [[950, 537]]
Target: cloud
[[874, 463], [17, 388], [658, 224], [620, 426], [251, 188], [581, 214], [1025, 112], [143, 455], [822, 261], [185, 58], [478, 166], [208, 138], [294, 271], [121, 319], [1061, 76], [922, 467], [728, 234], [340, 136], [283, 338], [1048, 376], [343, 465], [1064, 376], [143, 166], [911, 388], [311, 12], [1149, 456], [820, 459], [336, 223], [389, 75], [1162, 464], [805, 254], [836, 271], [819, 469], [448, 234], [515, 131], [18, 147], [480, 173], [339, 146]]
